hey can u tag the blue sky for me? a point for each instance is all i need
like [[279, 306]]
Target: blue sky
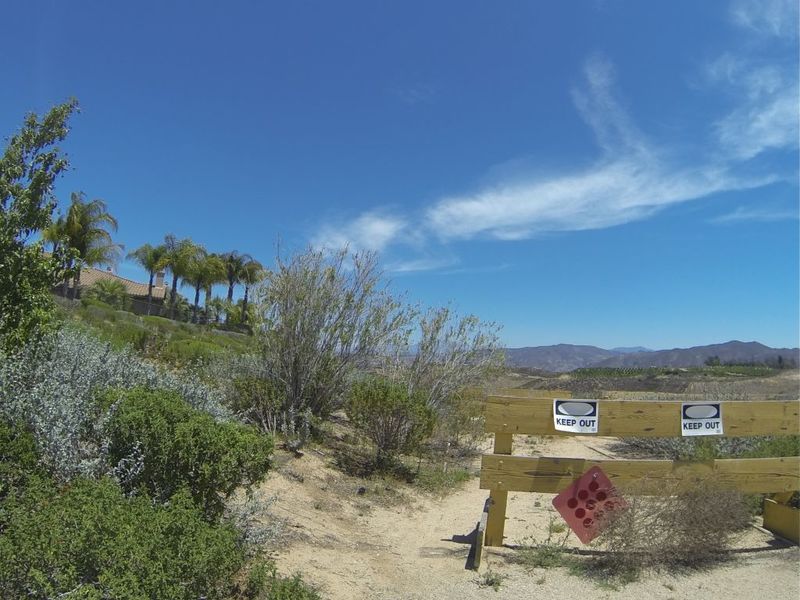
[[598, 172]]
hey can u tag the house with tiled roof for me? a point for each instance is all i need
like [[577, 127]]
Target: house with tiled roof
[[136, 290]]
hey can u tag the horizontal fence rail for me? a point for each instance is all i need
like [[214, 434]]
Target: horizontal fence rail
[[646, 477], [530, 412], [635, 418]]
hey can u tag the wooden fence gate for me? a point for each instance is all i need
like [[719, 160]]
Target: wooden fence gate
[[531, 413]]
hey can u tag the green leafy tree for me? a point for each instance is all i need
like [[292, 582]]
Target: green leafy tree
[[29, 166], [152, 259]]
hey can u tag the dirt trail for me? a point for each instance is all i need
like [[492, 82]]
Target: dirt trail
[[354, 548]]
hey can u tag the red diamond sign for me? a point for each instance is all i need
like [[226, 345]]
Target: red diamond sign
[[586, 502]]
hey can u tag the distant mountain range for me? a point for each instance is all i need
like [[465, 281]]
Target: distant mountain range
[[567, 357]]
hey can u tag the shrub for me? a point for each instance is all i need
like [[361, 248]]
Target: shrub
[[52, 384], [182, 447], [263, 582], [324, 315], [188, 350], [460, 421], [387, 414], [90, 541], [260, 401], [18, 458], [451, 353], [110, 292], [688, 527]]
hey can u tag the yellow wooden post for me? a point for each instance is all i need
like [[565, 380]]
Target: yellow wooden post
[[780, 518], [498, 498]]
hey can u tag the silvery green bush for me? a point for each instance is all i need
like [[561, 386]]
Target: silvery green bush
[[52, 384]]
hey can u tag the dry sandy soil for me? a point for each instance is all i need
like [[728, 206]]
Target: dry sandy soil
[[407, 545]]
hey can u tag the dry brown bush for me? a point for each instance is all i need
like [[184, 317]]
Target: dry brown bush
[[689, 527]]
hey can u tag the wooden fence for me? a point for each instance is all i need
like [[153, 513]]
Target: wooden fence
[[531, 412]]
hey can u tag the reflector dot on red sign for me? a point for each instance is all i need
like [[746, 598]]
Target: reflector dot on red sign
[[593, 486], [583, 494], [587, 522], [601, 496], [572, 502], [590, 504], [580, 513]]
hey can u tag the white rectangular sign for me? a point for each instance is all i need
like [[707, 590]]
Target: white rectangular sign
[[701, 418], [575, 416]]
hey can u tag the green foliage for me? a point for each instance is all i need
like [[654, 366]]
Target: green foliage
[[88, 539], [460, 421], [171, 341], [491, 579], [29, 167], [188, 350], [788, 445], [547, 554], [259, 400], [18, 458], [451, 353], [441, 479], [387, 414], [323, 316], [110, 292], [264, 583], [183, 447]]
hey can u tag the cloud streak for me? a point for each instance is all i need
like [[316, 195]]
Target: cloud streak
[[633, 178], [371, 231], [742, 215]]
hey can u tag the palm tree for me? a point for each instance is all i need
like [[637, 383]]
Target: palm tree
[[179, 254], [203, 271], [234, 263], [85, 231], [252, 273], [110, 291], [214, 271], [216, 306], [153, 259]]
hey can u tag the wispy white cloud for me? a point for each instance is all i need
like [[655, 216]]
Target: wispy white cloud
[[416, 93], [631, 181], [633, 178], [370, 231], [776, 18], [743, 214], [766, 117], [422, 264]]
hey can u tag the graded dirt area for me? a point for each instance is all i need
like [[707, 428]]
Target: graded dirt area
[[364, 543]]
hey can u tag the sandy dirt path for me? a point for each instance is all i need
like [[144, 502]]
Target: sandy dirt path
[[355, 549]]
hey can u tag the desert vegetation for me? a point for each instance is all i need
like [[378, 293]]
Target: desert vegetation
[[124, 437]]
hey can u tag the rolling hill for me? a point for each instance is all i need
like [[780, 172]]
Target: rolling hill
[[568, 357]]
